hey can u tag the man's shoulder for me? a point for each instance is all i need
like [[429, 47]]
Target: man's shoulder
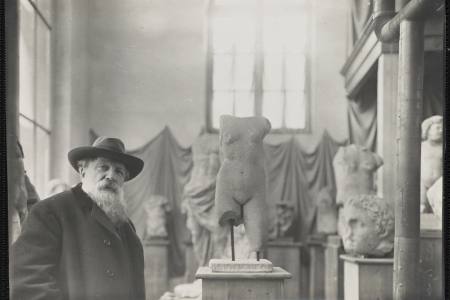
[[60, 201]]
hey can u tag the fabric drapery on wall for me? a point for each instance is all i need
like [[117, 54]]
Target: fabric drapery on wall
[[362, 117], [297, 176], [293, 174], [166, 170], [361, 11]]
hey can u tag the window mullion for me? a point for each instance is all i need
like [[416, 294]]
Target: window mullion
[[259, 60]]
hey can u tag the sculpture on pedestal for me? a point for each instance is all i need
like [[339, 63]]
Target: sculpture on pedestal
[[156, 209], [326, 218], [431, 157], [285, 216], [241, 181], [368, 226], [208, 238]]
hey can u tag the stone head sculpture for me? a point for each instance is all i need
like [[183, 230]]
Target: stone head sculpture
[[326, 218], [368, 225], [431, 157], [156, 209], [241, 190], [354, 168]]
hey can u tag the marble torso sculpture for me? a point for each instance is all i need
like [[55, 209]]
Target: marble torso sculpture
[[368, 226], [354, 167], [431, 157], [208, 238], [326, 220], [156, 209], [241, 191]]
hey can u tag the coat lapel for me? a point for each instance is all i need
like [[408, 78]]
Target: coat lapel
[[103, 220]]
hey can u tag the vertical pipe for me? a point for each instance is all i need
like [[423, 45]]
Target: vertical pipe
[[407, 192], [232, 239]]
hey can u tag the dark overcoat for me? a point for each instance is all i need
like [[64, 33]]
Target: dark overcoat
[[69, 249]]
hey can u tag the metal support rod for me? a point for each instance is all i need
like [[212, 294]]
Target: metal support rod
[[407, 192], [257, 255], [232, 238]]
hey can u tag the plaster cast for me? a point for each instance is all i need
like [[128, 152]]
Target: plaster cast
[[326, 218], [431, 157], [241, 190], [434, 195], [156, 209], [368, 223], [285, 215]]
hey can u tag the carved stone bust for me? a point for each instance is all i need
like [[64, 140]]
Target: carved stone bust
[[368, 224], [431, 157], [155, 209]]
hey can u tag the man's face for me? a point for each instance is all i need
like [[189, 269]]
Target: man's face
[[106, 175], [360, 232]]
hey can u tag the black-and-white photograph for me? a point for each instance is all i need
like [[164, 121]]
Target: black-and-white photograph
[[225, 149]]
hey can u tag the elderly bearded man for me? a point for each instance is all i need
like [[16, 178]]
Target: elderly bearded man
[[80, 244]]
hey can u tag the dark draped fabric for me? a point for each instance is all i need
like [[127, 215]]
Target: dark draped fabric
[[362, 117], [361, 11], [362, 111], [293, 174], [166, 170]]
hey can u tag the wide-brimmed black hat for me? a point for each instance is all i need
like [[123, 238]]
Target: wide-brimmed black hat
[[110, 148]]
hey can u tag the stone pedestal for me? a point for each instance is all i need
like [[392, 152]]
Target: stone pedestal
[[368, 278], [286, 254], [156, 253], [431, 265], [191, 262], [238, 286], [317, 266], [334, 269]]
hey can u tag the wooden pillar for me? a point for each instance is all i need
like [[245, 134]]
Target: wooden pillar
[[12, 98], [334, 269], [286, 254], [317, 266], [387, 91], [156, 257], [407, 194]]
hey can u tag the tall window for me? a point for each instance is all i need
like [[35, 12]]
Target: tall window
[[35, 92], [258, 62]]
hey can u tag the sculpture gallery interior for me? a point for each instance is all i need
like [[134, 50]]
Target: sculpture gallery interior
[[292, 149]]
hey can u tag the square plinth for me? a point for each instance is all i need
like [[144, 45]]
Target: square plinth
[[244, 285], [368, 278], [240, 266]]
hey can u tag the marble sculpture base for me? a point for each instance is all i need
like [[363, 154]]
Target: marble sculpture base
[[240, 266]]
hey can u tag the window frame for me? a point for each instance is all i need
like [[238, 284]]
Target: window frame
[[215, 9]]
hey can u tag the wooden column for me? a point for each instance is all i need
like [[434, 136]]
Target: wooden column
[[334, 270], [407, 194], [156, 257], [12, 98], [286, 254], [317, 266]]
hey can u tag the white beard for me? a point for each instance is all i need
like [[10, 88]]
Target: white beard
[[111, 202]]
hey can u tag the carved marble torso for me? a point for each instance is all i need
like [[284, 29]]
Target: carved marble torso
[[354, 168]]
